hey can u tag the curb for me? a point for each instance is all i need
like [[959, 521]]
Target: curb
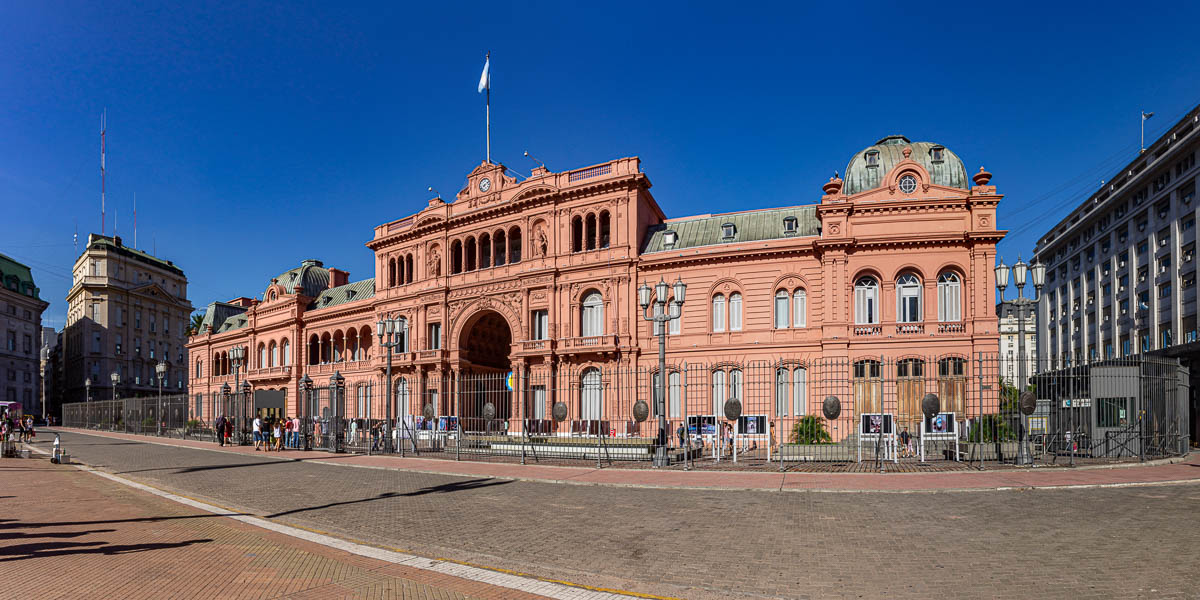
[[717, 488]]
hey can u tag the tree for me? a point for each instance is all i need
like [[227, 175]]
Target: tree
[[197, 320], [810, 430]]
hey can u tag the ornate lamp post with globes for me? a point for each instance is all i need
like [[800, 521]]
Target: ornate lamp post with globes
[[87, 390], [1027, 402], [393, 333], [661, 312], [236, 355], [306, 409], [161, 370]]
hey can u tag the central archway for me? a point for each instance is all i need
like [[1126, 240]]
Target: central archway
[[486, 342], [484, 346]]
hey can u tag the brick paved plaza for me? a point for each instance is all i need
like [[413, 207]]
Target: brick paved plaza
[[1096, 542]]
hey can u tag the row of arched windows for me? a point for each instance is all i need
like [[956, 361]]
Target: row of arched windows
[[400, 270], [274, 355], [340, 346], [909, 299], [490, 250], [590, 231]]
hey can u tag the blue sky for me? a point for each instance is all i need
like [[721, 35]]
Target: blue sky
[[256, 135]]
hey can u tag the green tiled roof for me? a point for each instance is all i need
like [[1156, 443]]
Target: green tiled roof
[[859, 177], [17, 277], [103, 241], [234, 322], [311, 277], [750, 226], [351, 292], [218, 314]]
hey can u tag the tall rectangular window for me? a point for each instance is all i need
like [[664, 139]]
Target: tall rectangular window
[[718, 312], [800, 308], [435, 336], [781, 309], [735, 312], [95, 341], [675, 325], [539, 401], [799, 391], [541, 324], [674, 396]]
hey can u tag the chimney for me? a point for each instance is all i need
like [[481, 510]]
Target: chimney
[[338, 277], [117, 241]]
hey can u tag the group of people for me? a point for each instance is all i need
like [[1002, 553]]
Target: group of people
[[15, 428], [269, 433]]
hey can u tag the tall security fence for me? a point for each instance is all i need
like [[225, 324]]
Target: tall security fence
[[867, 414], [168, 416]]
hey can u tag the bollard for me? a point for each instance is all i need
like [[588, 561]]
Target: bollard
[[56, 457]]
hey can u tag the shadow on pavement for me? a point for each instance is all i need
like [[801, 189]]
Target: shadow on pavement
[[445, 488], [16, 535], [12, 524], [199, 468], [67, 548]]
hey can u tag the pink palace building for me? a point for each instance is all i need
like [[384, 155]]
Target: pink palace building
[[887, 276]]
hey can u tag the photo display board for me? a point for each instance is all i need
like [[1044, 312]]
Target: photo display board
[[872, 424]]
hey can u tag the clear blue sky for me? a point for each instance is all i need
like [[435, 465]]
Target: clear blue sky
[[256, 136]]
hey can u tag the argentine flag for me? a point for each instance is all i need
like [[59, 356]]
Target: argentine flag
[[485, 78]]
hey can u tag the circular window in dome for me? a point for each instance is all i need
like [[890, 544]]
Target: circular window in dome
[[908, 184]]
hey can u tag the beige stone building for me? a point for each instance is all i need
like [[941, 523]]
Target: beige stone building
[[20, 324], [126, 312]]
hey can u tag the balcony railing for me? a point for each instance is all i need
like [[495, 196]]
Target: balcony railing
[[867, 330], [951, 328], [537, 346], [596, 343], [910, 328], [285, 371]]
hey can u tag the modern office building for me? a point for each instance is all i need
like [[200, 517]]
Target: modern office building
[[1121, 277], [21, 324], [1017, 319], [540, 278], [126, 312]]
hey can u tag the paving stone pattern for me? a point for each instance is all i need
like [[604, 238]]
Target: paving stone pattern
[[65, 533], [1134, 542]]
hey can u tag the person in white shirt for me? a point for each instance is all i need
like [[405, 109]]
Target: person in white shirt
[[258, 436]]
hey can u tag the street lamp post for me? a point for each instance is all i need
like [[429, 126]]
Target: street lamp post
[[161, 370], [661, 312], [115, 377], [1019, 273], [306, 388], [87, 390], [393, 333], [337, 385], [236, 355], [226, 392]]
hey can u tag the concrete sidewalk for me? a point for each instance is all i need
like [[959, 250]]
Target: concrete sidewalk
[[1185, 469], [69, 534]]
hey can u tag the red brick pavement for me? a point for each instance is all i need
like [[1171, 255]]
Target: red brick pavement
[[1181, 470], [65, 533]]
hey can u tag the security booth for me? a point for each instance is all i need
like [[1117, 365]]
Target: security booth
[[1117, 408], [269, 403]]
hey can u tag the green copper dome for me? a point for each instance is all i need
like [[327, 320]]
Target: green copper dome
[[869, 166], [310, 278]]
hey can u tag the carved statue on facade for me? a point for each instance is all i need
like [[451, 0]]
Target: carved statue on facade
[[435, 263], [542, 243]]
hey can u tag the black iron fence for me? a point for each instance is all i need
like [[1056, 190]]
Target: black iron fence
[[865, 414], [168, 416]]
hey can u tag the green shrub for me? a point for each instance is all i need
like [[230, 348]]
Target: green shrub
[[810, 430]]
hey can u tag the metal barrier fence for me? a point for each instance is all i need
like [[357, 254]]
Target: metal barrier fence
[[867, 414], [168, 416]]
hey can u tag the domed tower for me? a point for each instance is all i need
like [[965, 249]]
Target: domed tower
[[868, 169]]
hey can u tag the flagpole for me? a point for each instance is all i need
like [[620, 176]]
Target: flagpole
[[489, 107], [489, 122], [1142, 142]]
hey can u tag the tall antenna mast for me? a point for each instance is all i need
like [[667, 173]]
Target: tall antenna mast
[[103, 124], [135, 220], [76, 235]]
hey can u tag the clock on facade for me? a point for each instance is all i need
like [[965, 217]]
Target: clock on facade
[[485, 184]]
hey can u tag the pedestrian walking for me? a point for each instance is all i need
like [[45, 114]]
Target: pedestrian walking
[[220, 430], [277, 433], [258, 437]]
